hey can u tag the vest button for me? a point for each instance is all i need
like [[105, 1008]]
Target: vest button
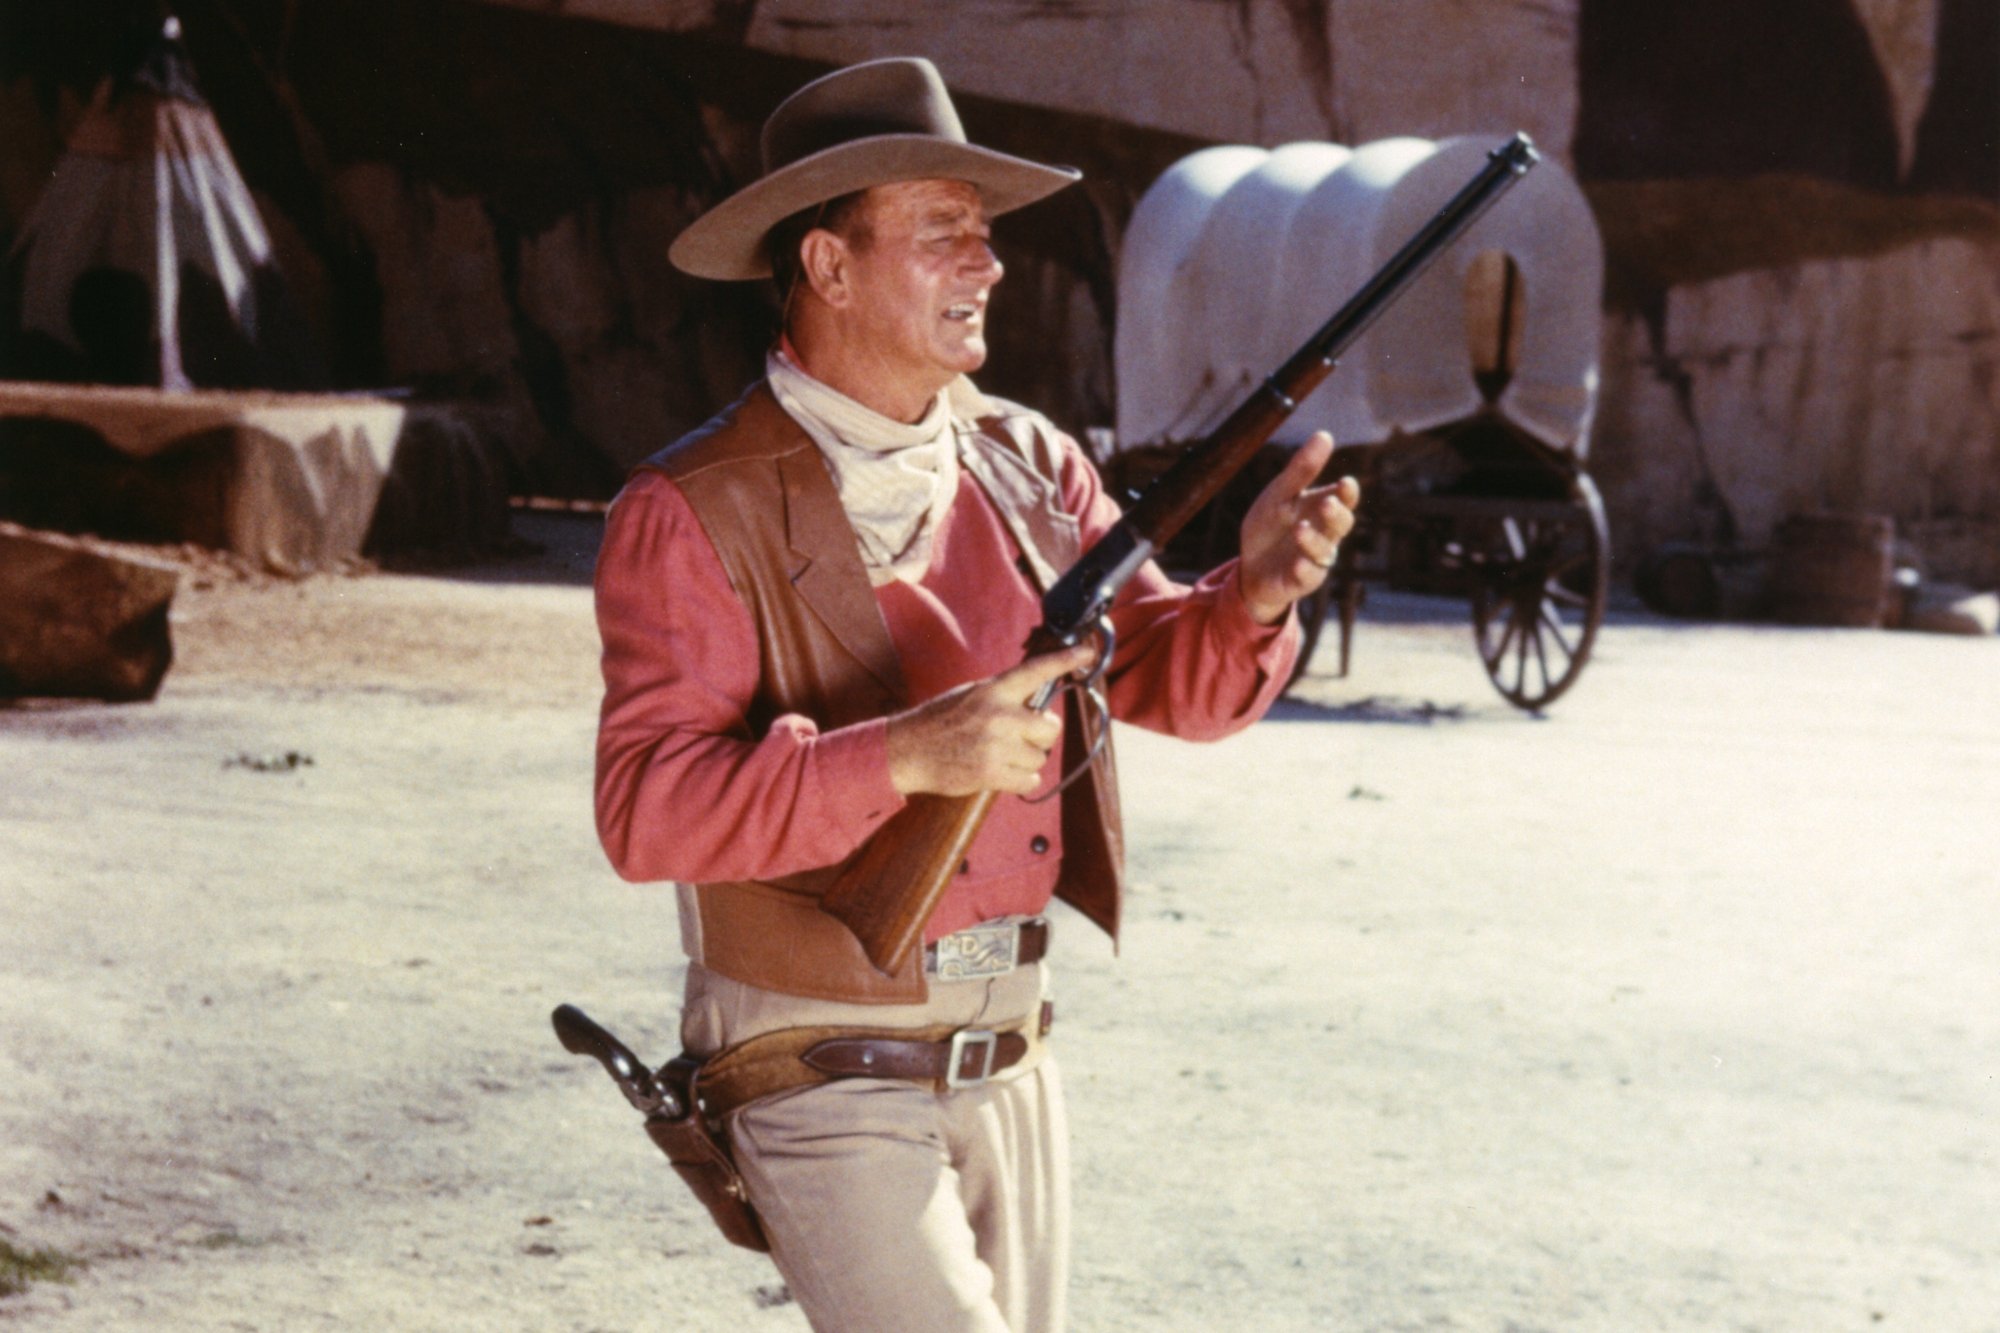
[[965, 867], [1039, 845]]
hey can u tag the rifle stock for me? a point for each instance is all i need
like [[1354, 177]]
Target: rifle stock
[[922, 846], [887, 893]]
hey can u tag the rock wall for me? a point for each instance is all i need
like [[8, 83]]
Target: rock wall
[[1229, 71], [1800, 202], [1799, 206], [473, 203], [1863, 384], [1798, 199]]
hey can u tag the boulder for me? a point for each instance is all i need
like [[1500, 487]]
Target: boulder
[[78, 620]]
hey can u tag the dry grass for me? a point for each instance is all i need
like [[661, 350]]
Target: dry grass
[[19, 1267]]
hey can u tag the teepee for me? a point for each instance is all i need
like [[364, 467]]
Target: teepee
[[145, 261]]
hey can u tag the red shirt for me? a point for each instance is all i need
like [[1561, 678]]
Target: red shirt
[[681, 796]]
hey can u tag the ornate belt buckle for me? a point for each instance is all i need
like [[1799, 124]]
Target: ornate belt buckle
[[987, 950]]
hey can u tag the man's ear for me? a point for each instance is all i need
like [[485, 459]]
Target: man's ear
[[824, 263]]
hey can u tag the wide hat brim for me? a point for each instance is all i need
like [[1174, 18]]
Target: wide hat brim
[[727, 242]]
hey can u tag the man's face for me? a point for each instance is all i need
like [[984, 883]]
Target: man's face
[[921, 275]]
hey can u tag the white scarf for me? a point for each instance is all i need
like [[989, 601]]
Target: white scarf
[[895, 481]]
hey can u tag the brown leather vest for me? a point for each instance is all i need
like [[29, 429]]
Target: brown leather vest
[[763, 495]]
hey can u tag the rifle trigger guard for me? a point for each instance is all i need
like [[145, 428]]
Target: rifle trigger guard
[[1089, 690], [1107, 643]]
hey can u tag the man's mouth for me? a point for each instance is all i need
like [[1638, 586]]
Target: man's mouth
[[964, 310]]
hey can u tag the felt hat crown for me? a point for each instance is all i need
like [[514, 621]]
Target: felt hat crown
[[870, 124]]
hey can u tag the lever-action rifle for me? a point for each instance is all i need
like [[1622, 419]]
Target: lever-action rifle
[[887, 893]]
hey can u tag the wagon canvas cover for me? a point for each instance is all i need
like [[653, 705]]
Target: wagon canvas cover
[[1237, 254]]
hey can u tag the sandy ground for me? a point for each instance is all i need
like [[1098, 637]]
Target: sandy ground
[[1677, 1009]]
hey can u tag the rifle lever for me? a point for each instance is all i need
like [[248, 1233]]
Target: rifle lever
[[1090, 694]]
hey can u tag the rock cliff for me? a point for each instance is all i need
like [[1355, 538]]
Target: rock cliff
[[1800, 202]]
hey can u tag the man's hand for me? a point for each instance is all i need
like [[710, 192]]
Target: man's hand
[[982, 736], [1293, 530]]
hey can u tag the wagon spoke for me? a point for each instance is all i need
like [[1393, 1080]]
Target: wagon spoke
[[1558, 631], [1567, 564], [1497, 652], [1541, 657], [1576, 601], [1503, 656]]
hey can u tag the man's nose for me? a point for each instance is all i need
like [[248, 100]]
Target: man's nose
[[981, 262]]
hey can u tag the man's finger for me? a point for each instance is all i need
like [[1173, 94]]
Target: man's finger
[[1044, 732], [1023, 681], [1346, 491], [1326, 513], [1306, 463]]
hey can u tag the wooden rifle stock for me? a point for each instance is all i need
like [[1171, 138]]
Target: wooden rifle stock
[[921, 848], [887, 893]]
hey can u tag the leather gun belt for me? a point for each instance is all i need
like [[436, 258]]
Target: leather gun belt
[[947, 1058]]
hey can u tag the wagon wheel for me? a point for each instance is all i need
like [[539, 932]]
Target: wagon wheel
[[1541, 576]]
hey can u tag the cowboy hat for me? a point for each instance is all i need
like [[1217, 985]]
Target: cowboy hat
[[869, 124]]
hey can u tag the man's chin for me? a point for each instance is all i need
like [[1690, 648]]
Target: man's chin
[[968, 356]]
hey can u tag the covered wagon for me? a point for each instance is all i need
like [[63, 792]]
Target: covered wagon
[[1465, 409]]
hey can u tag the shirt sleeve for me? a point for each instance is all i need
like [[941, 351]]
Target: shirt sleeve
[[1191, 660], [685, 789]]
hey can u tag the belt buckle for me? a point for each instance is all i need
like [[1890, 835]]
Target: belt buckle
[[987, 950], [982, 1043]]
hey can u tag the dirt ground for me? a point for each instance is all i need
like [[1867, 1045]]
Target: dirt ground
[[1676, 1009]]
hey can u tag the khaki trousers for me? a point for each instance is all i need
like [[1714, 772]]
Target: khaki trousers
[[890, 1206]]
